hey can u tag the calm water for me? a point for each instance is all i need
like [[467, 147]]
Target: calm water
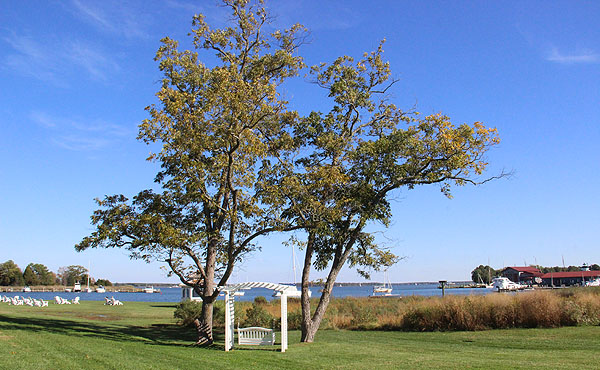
[[174, 294]]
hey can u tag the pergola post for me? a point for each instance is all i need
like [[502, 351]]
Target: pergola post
[[284, 328], [229, 320]]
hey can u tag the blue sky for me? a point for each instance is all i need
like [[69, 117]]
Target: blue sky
[[76, 75]]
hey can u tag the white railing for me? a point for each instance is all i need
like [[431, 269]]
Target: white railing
[[256, 336]]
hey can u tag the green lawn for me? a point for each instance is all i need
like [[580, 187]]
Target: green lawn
[[144, 336]]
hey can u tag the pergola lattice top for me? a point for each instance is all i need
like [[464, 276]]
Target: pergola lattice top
[[273, 286]]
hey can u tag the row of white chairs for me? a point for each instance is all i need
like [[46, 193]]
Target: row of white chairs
[[112, 301], [60, 300], [22, 301]]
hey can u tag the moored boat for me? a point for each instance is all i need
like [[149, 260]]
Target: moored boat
[[504, 284], [386, 288], [382, 289], [150, 289], [595, 282], [292, 294]]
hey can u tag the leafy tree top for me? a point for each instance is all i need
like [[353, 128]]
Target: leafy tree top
[[215, 126], [344, 164]]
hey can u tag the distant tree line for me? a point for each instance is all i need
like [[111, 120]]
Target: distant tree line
[[38, 274], [545, 270], [485, 274]]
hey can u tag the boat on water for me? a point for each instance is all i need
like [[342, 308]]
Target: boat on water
[[503, 284], [385, 288], [77, 287], [595, 282], [382, 289], [150, 289], [26, 289], [100, 289], [293, 294]]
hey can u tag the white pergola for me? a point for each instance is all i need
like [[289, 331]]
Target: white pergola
[[230, 290]]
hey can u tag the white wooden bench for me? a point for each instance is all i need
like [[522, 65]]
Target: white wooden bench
[[256, 336]]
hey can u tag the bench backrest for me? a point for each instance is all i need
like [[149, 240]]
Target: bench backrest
[[256, 336]]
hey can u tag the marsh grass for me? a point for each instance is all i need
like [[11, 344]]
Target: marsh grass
[[537, 309]]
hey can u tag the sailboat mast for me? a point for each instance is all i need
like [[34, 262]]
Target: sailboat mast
[[387, 277]]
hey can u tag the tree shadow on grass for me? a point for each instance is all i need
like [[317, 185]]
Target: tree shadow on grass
[[164, 306], [156, 334]]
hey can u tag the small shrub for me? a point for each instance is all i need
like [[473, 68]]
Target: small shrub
[[219, 314], [257, 315], [295, 320], [260, 300], [187, 311], [583, 309]]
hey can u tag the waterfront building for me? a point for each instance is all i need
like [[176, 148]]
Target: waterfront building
[[569, 278], [523, 274]]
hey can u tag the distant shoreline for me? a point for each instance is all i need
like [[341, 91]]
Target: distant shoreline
[[138, 285]]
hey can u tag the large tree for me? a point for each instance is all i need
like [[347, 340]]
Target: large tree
[[216, 125], [38, 274], [29, 276], [10, 274], [483, 274], [69, 275], [346, 164]]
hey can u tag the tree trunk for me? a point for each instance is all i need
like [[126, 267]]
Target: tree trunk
[[204, 326], [310, 325], [307, 324]]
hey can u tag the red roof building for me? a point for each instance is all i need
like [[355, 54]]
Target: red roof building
[[568, 278], [520, 274]]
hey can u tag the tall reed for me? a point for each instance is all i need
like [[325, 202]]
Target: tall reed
[[538, 309]]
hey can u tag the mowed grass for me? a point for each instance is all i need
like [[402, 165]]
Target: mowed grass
[[145, 336]]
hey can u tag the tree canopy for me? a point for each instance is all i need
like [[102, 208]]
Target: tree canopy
[[216, 125], [29, 276], [38, 274], [68, 275], [338, 176], [10, 274], [483, 274], [104, 282]]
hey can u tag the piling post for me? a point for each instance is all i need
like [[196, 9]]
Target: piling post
[[443, 285]]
